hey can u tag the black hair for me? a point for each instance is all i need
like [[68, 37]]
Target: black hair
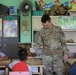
[[45, 18], [22, 54]]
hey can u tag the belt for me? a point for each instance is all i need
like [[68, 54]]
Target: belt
[[50, 52]]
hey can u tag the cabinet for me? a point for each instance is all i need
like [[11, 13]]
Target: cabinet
[[69, 33], [9, 35]]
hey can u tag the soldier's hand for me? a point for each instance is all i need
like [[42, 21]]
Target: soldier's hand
[[32, 50], [65, 57]]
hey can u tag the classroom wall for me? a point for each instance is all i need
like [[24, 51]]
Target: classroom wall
[[48, 1], [26, 38]]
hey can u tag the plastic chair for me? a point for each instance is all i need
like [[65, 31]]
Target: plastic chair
[[19, 73]]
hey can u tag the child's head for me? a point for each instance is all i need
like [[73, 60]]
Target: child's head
[[22, 54]]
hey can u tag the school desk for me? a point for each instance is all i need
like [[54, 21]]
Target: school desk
[[4, 64]]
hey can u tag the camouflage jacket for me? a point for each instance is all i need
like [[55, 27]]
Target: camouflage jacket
[[53, 39]]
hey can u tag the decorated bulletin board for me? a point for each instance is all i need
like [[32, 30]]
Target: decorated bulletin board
[[10, 28], [10, 25]]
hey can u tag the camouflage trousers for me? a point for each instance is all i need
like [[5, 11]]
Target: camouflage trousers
[[51, 66]]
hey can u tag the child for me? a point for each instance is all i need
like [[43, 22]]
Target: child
[[21, 65], [2, 57]]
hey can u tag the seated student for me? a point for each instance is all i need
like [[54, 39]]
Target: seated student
[[21, 65], [2, 57]]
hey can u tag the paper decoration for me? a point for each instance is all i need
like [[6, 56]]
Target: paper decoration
[[0, 27], [10, 28], [73, 5], [67, 22], [13, 10], [72, 2], [25, 26], [57, 2], [49, 5], [42, 4], [66, 3]]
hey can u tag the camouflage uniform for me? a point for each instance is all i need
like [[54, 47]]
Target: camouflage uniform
[[54, 45]]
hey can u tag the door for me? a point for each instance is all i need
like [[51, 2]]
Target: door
[[10, 36], [10, 47]]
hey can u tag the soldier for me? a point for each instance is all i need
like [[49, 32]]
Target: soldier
[[54, 47]]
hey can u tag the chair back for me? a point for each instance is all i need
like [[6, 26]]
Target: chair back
[[19, 73]]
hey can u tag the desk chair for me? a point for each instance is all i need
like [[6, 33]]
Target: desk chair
[[19, 73]]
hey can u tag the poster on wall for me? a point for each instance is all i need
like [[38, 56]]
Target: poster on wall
[[67, 22], [10, 28], [0, 27]]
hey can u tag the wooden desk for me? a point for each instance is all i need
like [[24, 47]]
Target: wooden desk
[[35, 62], [4, 64], [72, 58]]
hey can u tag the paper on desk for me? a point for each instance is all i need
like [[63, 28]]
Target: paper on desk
[[34, 68], [2, 71]]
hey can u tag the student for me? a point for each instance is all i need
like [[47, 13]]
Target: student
[[2, 57], [21, 65]]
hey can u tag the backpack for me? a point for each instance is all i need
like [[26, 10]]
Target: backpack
[[72, 70]]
